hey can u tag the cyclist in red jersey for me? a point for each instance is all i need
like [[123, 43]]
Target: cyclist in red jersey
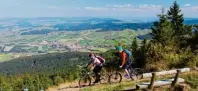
[[125, 60]]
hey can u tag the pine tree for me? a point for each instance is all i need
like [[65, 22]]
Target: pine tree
[[196, 36], [176, 19], [193, 41], [144, 46], [134, 45], [162, 30], [181, 31], [142, 54], [196, 30]]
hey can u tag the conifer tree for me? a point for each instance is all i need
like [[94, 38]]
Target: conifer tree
[[142, 54], [176, 18], [181, 31], [162, 30], [134, 45], [193, 41], [144, 46]]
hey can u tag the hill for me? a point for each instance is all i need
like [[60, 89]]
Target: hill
[[191, 21], [48, 63], [40, 72], [80, 24], [45, 25], [102, 24]]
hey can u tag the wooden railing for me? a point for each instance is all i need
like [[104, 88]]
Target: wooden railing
[[149, 86]]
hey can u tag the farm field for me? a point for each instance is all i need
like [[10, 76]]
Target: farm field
[[83, 41]]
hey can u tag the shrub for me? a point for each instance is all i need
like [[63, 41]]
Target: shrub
[[58, 80]]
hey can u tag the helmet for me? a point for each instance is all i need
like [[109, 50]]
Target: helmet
[[91, 55], [119, 48]]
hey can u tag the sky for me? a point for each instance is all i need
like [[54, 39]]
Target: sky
[[93, 8]]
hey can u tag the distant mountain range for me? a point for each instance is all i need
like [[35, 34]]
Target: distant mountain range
[[44, 25], [105, 24], [191, 21]]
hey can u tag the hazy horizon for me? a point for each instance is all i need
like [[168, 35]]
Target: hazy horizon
[[130, 19]]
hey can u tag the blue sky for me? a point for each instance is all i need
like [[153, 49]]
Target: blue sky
[[92, 8]]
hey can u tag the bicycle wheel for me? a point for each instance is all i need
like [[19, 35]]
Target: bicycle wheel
[[139, 73], [133, 74], [84, 81], [115, 78], [104, 78]]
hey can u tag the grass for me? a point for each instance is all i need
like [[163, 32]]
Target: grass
[[9, 56], [45, 47], [98, 38], [101, 49], [109, 87], [125, 85], [40, 48], [4, 57], [70, 36], [34, 49], [191, 79]]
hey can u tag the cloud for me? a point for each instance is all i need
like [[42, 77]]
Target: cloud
[[187, 5], [134, 6], [58, 8], [53, 7], [195, 7], [156, 6], [149, 6], [96, 8], [120, 6], [124, 10], [190, 11], [190, 8], [143, 6]]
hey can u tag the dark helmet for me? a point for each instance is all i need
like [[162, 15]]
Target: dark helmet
[[91, 54]]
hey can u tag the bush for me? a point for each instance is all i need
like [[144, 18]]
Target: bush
[[58, 80], [191, 79]]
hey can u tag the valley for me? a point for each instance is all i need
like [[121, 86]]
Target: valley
[[34, 36], [24, 37], [84, 41]]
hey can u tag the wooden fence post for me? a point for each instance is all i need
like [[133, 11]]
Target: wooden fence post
[[175, 80], [150, 87], [25, 89]]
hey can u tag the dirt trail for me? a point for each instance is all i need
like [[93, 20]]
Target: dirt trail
[[73, 86]]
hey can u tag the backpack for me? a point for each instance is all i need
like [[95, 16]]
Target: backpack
[[127, 52], [102, 60]]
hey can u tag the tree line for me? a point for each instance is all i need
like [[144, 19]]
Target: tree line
[[174, 44], [41, 72]]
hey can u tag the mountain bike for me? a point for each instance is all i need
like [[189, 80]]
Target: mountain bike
[[87, 76], [135, 73], [116, 76]]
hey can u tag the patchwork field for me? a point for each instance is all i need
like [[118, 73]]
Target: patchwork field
[[87, 40]]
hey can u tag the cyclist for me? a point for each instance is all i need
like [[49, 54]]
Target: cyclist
[[125, 60], [98, 64]]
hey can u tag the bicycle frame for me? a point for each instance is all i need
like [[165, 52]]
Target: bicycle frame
[[87, 73]]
